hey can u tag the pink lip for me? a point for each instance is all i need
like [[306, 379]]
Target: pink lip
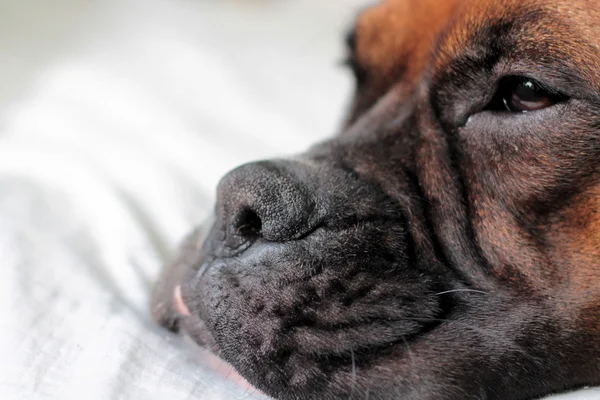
[[178, 303], [209, 359]]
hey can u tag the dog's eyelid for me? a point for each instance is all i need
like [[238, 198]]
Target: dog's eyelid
[[563, 81]]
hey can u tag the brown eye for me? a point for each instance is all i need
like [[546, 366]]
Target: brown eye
[[523, 95]]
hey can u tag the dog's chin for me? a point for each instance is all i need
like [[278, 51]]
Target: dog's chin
[[209, 355], [299, 319]]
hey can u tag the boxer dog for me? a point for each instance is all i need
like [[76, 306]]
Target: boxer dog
[[445, 245]]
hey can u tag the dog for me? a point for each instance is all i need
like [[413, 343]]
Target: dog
[[445, 244]]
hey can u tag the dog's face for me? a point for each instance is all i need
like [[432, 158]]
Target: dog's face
[[446, 245]]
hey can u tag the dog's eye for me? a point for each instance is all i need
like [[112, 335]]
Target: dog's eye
[[519, 94], [527, 96]]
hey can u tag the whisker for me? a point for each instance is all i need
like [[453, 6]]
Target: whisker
[[228, 373], [353, 374], [461, 290], [409, 351], [251, 394], [246, 393], [221, 364], [484, 331]]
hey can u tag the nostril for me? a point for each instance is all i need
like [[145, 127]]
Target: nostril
[[249, 224], [266, 200]]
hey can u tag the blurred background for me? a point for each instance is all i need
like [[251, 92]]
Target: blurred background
[[117, 119]]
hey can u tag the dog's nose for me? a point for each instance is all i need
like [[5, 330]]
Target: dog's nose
[[265, 200]]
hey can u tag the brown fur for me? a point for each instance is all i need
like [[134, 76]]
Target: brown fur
[[410, 33]]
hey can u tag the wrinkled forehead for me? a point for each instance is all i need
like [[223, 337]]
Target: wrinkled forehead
[[407, 35]]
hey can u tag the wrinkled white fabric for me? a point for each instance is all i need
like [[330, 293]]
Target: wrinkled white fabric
[[117, 119]]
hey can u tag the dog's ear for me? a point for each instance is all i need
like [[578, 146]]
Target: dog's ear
[[391, 43]]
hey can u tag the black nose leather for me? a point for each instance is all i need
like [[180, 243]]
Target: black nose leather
[[264, 200]]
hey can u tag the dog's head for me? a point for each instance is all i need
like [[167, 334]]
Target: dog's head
[[446, 245]]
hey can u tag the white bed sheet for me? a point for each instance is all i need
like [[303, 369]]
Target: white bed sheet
[[117, 119]]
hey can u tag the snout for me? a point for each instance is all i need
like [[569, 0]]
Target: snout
[[306, 273]]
